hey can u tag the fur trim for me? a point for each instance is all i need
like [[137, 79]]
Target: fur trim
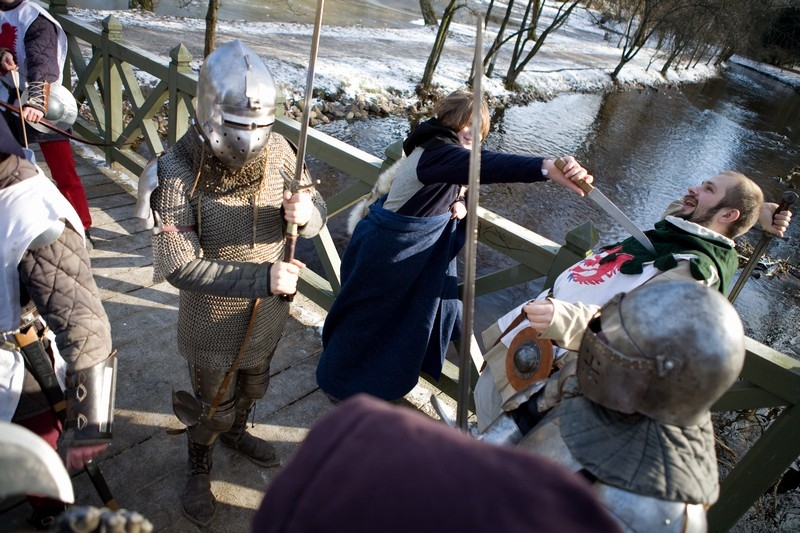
[[382, 186]]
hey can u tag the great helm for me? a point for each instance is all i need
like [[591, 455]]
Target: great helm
[[667, 350], [236, 100]]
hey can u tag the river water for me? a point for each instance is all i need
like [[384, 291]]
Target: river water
[[645, 148]]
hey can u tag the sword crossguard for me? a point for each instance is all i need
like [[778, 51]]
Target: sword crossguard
[[295, 186]]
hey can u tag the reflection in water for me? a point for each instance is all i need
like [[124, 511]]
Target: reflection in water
[[645, 148]]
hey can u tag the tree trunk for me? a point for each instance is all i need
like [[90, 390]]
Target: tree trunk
[[528, 33], [428, 13], [211, 27], [488, 14], [668, 63], [145, 5], [426, 84], [491, 55]]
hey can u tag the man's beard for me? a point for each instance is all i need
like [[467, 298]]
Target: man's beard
[[701, 218]]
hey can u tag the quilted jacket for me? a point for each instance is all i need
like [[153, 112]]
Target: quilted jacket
[[57, 279]]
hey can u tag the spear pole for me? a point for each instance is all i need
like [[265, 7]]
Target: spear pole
[[471, 247], [291, 228]]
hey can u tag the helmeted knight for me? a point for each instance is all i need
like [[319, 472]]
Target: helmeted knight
[[219, 216], [646, 380]]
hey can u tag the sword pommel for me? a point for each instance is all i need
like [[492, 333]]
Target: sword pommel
[[788, 198]]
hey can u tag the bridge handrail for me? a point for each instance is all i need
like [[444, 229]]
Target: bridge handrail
[[104, 67]]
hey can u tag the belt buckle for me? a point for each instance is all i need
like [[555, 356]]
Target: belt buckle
[[33, 319], [28, 318]]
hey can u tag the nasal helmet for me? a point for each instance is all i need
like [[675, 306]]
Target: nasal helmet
[[667, 350], [236, 102]]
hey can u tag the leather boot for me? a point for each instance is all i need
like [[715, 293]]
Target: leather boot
[[199, 504], [257, 450]]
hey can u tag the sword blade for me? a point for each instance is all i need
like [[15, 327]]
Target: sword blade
[[616, 213], [763, 241], [100, 485], [291, 228], [609, 207], [312, 62]]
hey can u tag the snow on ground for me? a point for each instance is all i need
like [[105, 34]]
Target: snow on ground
[[363, 62], [787, 76]]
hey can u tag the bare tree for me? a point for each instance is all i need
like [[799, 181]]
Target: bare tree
[[145, 5], [211, 27], [428, 12], [491, 56], [528, 40], [704, 28], [643, 19], [488, 15], [426, 84]]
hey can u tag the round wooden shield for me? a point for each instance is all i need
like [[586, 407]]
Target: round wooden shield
[[528, 359]]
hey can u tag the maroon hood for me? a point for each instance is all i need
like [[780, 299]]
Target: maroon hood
[[372, 466]]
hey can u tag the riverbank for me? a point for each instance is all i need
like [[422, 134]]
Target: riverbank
[[373, 71]]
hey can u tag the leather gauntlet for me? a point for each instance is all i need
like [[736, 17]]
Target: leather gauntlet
[[90, 401]]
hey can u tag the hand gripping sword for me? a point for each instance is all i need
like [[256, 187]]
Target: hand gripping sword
[[291, 228], [471, 247], [787, 200]]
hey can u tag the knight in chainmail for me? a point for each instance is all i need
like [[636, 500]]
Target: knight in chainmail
[[637, 422], [220, 209]]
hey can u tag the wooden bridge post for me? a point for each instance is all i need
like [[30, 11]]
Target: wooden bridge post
[[58, 6], [578, 245], [393, 153], [178, 113], [112, 85], [769, 457]]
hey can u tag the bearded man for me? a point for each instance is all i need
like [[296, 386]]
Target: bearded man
[[694, 241], [220, 210]]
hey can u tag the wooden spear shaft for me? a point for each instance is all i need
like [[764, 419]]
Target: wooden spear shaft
[[471, 247]]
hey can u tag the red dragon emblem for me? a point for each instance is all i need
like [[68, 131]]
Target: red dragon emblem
[[8, 38], [592, 272]]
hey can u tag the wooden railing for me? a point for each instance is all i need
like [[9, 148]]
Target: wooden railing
[[105, 67]]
